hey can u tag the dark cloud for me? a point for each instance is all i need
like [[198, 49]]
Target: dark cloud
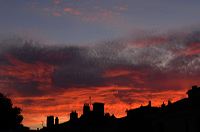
[[148, 62], [39, 102], [30, 88]]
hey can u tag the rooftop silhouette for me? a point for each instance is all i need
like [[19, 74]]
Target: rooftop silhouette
[[180, 116]]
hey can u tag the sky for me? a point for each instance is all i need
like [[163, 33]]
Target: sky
[[55, 54]]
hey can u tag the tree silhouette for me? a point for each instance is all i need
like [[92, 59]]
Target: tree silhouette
[[10, 117]]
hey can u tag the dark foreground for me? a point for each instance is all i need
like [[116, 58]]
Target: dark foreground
[[180, 116]]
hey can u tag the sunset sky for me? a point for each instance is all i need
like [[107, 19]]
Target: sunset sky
[[55, 54]]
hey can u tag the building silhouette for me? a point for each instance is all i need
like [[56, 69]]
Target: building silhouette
[[56, 121], [73, 116], [50, 121], [180, 116], [98, 109], [194, 93], [86, 109]]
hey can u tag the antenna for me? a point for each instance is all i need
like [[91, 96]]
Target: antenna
[[90, 98], [42, 123]]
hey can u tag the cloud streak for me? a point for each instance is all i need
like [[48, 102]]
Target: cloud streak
[[92, 11]]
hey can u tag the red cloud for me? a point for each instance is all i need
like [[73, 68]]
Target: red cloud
[[72, 11], [116, 73], [149, 41], [191, 49], [26, 75]]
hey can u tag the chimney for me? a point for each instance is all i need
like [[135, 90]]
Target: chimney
[[50, 121], [56, 121]]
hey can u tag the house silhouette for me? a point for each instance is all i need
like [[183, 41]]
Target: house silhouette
[[180, 116]]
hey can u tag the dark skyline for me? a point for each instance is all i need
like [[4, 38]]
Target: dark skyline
[[182, 115]]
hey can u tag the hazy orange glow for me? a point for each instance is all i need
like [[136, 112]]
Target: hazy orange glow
[[35, 109], [62, 104]]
